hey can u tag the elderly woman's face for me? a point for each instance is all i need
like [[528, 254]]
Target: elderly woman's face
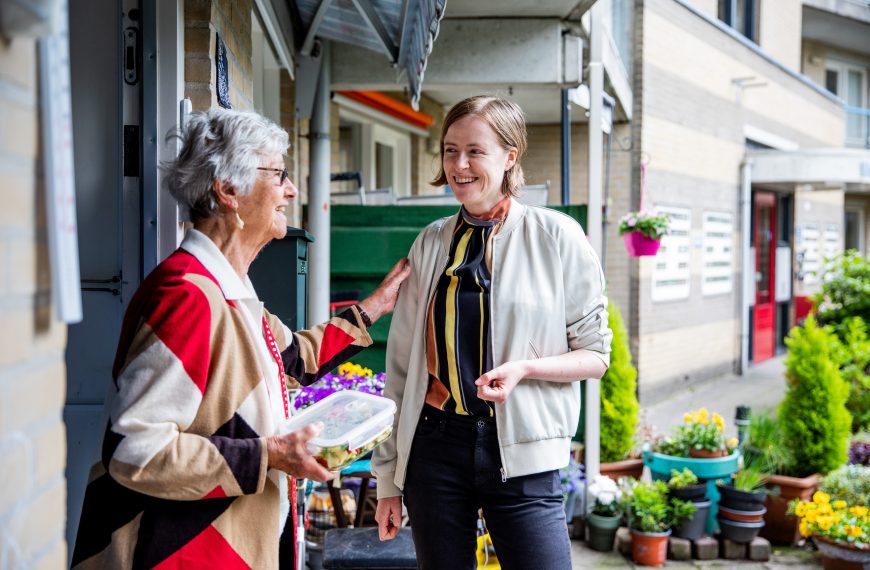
[[475, 163], [264, 208]]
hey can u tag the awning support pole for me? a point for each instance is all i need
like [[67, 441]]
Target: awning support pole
[[566, 148], [318, 197], [594, 224], [748, 272]]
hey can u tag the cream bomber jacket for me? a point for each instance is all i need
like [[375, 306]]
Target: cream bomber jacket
[[547, 298]]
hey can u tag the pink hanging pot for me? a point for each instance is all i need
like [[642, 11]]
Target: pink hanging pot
[[639, 245]]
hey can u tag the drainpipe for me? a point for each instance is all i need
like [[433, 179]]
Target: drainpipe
[[593, 223], [566, 148], [748, 272], [318, 197]]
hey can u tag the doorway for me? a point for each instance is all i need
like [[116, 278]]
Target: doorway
[[764, 311]]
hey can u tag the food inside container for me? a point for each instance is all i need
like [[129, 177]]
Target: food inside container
[[354, 423]]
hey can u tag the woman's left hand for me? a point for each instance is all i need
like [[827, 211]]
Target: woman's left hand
[[497, 384]]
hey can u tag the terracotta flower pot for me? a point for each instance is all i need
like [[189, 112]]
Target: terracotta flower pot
[[624, 468], [742, 516], [639, 245], [649, 548], [707, 453], [782, 528]]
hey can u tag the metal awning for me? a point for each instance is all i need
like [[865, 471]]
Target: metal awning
[[402, 30]]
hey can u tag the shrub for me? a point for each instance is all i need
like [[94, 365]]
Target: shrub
[[815, 422], [853, 354], [845, 289], [619, 406], [850, 483]]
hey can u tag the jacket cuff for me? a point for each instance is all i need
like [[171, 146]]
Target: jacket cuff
[[386, 486]]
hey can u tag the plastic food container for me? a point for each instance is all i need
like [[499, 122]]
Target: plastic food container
[[354, 423]]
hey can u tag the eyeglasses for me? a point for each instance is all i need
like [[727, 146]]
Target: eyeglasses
[[284, 174]]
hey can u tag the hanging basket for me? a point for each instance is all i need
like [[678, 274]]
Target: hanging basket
[[639, 245]]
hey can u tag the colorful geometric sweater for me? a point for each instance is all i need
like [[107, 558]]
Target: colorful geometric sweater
[[183, 481]]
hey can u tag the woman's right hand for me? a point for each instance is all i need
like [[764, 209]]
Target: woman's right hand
[[389, 516], [383, 299], [289, 453]]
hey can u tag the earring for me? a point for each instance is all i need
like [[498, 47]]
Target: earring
[[240, 223]]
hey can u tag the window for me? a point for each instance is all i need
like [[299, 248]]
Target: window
[[849, 83], [854, 222], [742, 15]]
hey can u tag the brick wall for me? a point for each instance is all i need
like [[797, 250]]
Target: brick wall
[[204, 20], [779, 31], [32, 369], [689, 132]]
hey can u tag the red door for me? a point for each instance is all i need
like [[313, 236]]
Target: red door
[[764, 321]]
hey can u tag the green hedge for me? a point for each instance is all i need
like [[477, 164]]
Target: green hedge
[[619, 405], [815, 422]]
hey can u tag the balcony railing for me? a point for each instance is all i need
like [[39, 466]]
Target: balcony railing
[[857, 127]]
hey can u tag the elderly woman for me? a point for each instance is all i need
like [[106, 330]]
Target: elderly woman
[[194, 463], [503, 313]]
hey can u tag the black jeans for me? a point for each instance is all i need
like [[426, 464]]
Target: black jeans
[[455, 469]]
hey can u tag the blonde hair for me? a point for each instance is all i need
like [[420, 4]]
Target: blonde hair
[[506, 119]]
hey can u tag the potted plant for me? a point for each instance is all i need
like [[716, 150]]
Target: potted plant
[[814, 423], [840, 529], [684, 485], [746, 492], [619, 405], [741, 506], [642, 232], [604, 518], [652, 513]]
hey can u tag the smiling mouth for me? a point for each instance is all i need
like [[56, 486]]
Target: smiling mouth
[[281, 209], [464, 179]]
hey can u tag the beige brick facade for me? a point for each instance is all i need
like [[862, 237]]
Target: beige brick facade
[[32, 369], [692, 117]]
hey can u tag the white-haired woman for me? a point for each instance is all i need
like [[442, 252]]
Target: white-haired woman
[[503, 312], [193, 465]]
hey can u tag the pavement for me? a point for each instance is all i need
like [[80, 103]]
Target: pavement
[[763, 387]]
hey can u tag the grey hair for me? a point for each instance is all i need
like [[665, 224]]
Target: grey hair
[[218, 144]]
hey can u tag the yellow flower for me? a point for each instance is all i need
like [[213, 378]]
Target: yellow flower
[[717, 419], [839, 504], [858, 511], [825, 523], [687, 417], [811, 515], [703, 413], [821, 497], [732, 442], [805, 529], [854, 531], [800, 510], [825, 509]]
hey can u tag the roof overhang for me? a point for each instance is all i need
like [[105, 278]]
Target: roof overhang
[[404, 31], [819, 168]]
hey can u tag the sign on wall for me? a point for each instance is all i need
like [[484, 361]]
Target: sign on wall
[[718, 253], [808, 254], [671, 273]]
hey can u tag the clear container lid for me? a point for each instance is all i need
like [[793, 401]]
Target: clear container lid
[[349, 418]]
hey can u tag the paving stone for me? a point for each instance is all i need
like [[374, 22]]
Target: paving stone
[[679, 548], [706, 548], [731, 550], [759, 549], [623, 541]]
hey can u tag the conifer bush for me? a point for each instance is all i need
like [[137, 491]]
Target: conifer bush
[[815, 422], [619, 405]]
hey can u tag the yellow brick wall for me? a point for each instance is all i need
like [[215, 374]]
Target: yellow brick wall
[[32, 341], [204, 21]]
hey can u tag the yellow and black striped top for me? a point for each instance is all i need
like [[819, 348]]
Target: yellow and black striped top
[[459, 348]]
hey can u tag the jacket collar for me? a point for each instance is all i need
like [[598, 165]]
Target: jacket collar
[[515, 214], [203, 249]]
